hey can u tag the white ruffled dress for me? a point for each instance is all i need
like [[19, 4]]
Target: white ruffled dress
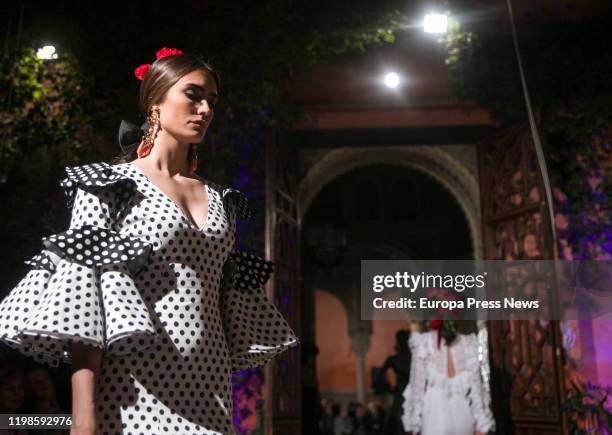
[[435, 404]]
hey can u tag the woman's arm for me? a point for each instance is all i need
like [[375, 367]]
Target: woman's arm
[[85, 371], [415, 391]]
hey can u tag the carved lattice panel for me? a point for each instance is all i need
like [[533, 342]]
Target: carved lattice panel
[[520, 238], [525, 363], [515, 183], [283, 379]]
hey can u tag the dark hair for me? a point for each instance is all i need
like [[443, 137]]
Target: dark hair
[[449, 329], [448, 332], [161, 76]]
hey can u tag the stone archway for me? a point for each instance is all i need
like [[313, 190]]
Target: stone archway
[[433, 161]]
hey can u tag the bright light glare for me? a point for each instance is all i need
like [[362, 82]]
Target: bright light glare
[[435, 23], [46, 52], [392, 80]]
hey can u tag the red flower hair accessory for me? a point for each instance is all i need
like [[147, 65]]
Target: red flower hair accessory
[[142, 70], [435, 324], [443, 322], [164, 52]]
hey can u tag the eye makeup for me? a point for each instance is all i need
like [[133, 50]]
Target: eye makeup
[[198, 93]]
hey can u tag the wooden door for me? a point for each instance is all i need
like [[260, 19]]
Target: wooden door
[[283, 378], [526, 364]]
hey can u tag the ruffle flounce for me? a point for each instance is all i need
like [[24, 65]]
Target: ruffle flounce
[[51, 308], [80, 287], [98, 178], [255, 330], [93, 246]]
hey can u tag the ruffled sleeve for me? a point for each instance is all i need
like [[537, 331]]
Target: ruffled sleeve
[[80, 286], [415, 391], [255, 330], [478, 398]]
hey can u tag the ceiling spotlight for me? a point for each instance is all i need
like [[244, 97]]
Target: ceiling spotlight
[[392, 80], [435, 23], [46, 52]]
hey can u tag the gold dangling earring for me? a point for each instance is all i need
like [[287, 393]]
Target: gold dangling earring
[[193, 161], [147, 141]]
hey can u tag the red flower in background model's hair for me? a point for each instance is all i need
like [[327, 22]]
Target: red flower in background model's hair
[[142, 70], [435, 324]]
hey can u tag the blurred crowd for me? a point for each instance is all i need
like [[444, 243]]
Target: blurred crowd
[[379, 416], [28, 388], [352, 418]]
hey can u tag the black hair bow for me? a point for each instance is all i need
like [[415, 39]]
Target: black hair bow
[[130, 136]]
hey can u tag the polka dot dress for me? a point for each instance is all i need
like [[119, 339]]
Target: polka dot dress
[[174, 308]]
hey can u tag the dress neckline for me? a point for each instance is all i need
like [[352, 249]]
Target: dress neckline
[[178, 207]]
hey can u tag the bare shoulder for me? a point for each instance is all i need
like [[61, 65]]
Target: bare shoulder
[[196, 179], [211, 184]]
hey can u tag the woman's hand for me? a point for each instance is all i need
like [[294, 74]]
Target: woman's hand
[[479, 433]]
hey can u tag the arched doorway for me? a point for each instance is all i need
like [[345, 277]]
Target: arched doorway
[[371, 211]]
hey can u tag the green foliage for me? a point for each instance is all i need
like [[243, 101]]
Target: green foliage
[[363, 33], [44, 127], [483, 71], [44, 119]]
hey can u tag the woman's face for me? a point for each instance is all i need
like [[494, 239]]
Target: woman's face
[[187, 108]]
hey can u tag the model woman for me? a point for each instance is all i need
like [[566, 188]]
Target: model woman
[[144, 294], [445, 395]]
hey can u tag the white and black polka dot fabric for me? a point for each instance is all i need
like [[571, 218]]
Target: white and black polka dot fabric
[[257, 330], [94, 246], [174, 308]]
